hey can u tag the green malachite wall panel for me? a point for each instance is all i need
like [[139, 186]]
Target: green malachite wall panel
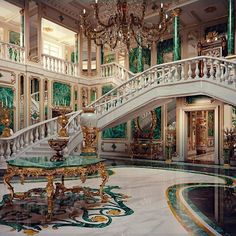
[[139, 59], [92, 95], [61, 94], [106, 88], [7, 98], [117, 132], [164, 47]]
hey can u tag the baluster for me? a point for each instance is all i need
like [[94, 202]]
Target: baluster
[[42, 133], [27, 138], [31, 136], [226, 76], [189, 71], [22, 141], [17, 144], [170, 78], [197, 72], [176, 76], [8, 150], [2, 152], [182, 73], [205, 69], [222, 74], [218, 70], [14, 148], [49, 129], [233, 78], [211, 70], [36, 134]]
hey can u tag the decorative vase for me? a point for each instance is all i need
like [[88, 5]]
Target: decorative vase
[[88, 122]]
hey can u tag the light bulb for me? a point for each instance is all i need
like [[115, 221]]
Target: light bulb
[[161, 5], [84, 11]]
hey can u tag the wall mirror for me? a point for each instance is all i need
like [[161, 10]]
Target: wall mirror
[[145, 124]]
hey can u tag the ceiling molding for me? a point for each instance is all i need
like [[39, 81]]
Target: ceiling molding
[[195, 16]]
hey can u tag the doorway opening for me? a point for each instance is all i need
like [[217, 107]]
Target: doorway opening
[[201, 136]]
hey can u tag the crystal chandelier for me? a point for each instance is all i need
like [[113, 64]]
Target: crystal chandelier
[[125, 27]]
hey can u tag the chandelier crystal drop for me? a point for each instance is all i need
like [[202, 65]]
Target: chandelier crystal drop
[[126, 27]]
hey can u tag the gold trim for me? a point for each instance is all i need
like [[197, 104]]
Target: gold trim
[[82, 172], [187, 211]]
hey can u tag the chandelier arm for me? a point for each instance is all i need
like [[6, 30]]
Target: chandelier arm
[[96, 12], [143, 10]]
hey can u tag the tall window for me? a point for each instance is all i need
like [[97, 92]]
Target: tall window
[[51, 49]]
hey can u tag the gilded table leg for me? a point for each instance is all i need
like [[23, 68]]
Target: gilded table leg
[[6, 178], [104, 175], [50, 194]]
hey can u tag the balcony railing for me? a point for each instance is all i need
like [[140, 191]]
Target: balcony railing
[[58, 65], [114, 69], [12, 52]]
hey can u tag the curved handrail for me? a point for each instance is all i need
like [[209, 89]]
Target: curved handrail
[[224, 72]]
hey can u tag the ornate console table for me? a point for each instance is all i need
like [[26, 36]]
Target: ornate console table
[[42, 166]]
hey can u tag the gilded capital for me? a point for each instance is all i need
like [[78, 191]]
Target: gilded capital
[[176, 12]]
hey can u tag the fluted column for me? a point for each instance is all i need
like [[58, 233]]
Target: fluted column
[[231, 26], [176, 36]]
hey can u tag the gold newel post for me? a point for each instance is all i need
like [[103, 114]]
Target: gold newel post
[[60, 143], [90, 131], [6, 121]]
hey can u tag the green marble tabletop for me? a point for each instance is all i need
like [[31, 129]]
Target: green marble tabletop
[[44, 162]]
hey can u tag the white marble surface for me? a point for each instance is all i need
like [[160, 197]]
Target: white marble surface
[[147, 188]]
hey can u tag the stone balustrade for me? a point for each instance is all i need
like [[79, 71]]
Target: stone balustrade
[[58, 65], [12, 52]]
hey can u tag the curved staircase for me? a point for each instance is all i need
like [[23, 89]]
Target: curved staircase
[[214, 77]]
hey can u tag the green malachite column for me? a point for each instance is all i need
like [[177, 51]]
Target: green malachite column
[[22, 28], [176, 36], [140, 61], [231, 27]]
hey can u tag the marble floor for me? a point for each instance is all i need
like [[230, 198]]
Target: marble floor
[[158, 204]]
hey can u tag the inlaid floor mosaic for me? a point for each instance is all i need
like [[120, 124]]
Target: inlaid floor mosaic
[[149, 201]]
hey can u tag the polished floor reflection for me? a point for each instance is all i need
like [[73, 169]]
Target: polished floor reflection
[[143, 201]]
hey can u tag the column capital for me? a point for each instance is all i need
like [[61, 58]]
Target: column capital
[[176, 12]]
